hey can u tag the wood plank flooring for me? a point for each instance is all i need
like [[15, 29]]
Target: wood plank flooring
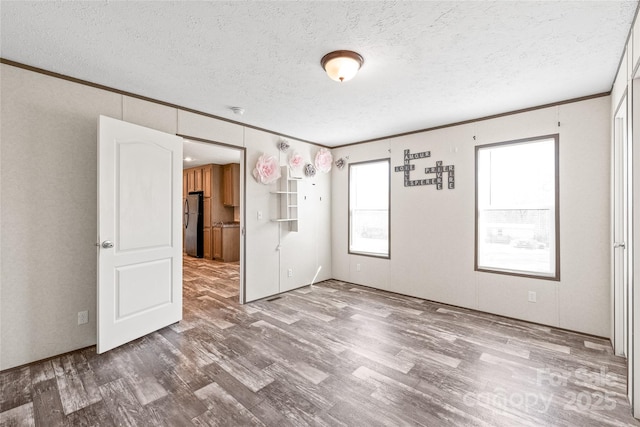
[[333, 354]]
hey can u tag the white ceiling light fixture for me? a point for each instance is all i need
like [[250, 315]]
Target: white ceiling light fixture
[[342, 65]]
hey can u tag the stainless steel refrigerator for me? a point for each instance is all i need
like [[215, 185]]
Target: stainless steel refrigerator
[[193, 224]]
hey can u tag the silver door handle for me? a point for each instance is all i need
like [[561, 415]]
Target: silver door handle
[[107, 244], [619, 245]]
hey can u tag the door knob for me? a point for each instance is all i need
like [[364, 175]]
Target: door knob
[[107, 244]]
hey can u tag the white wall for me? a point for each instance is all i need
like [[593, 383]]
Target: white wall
[[48, 209], [48, 223], [276, 248], [432, 232]]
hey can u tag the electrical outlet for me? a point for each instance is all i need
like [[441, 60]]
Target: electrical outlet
[[290, 272], [83, 317], [259, 214], [358, 267], [532, 297]]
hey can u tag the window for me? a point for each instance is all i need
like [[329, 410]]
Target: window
[[369, 208], [517, 208]]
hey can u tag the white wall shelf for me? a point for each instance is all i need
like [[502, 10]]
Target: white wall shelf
[[288, 203]]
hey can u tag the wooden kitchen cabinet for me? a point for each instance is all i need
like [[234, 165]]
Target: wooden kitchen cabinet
[[217, 242], [194, 179], [206, 212], [209, 179], [226, 243], [198, 179], [185, 191], [231, 244], [206, 243], [191, 180], [219, 212], [231, 184], [206, 180]]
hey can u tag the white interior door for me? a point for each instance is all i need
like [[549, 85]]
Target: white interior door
[[139, 231], [620, 226]]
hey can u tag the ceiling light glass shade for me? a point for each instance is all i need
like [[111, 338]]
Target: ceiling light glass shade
[[342, 65]]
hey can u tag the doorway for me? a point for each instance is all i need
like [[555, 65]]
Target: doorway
[[213, 174]]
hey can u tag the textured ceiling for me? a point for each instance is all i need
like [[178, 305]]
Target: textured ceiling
[[426, 63]]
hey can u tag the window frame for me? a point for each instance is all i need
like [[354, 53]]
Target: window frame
[[556, 275], [369, 254]]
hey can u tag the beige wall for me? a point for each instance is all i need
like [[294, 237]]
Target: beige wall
[[432, 232], [48, 209], [48, 224]]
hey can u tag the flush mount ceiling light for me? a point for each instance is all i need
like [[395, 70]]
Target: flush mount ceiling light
[[342, 65]]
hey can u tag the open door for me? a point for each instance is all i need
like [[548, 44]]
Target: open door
[[139, 231]]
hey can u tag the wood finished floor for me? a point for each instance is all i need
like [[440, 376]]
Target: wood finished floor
[[333, 354]]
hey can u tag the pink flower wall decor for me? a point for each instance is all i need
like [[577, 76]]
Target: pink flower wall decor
[[295, 160], [324, 159], [267, 169]]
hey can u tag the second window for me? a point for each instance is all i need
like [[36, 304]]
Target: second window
[[517, 208]]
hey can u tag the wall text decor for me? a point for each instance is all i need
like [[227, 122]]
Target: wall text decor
[[438, 170]]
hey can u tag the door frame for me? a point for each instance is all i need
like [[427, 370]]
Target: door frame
[[243, 207], [620, 230], [633, 117]]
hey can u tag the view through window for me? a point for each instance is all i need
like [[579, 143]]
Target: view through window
[[516, 205], [369, 208]]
